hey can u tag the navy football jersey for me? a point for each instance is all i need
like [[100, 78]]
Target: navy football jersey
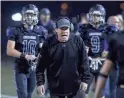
[[26, 42], [94, 38]]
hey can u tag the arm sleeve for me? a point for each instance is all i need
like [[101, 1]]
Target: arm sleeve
[[84, 68], [11, 33], [112, 50], [42, 65]]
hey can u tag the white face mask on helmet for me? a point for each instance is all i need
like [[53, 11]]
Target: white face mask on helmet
[[30, 15], [96, 15]]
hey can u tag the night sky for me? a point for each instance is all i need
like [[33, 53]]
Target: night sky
[[75, 8]]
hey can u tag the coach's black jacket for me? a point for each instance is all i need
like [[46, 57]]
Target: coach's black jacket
[[66, 63]]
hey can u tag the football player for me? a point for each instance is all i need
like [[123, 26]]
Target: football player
[[95, 37], [115, 54], [24, 42], [46, 22]]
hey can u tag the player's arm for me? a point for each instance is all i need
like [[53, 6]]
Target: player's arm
[[105, 70], [11, 51]]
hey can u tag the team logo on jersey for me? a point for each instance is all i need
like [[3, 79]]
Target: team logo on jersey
[[95, 34], [29, 37]]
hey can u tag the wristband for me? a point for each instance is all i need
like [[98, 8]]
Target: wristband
[[22, 56]]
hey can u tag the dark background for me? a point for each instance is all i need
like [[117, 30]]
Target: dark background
[[8, 8], [75, 8]]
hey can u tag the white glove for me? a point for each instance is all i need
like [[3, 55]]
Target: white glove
[[83, 86], [41, 90], [30, 57]]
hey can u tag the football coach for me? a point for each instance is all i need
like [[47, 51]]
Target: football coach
[[64, 57]]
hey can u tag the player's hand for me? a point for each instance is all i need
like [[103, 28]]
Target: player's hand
[[30, 57], [104, 54], [41, 90], [83, 86]]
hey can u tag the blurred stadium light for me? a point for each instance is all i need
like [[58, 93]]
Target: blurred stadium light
[[16, 17]]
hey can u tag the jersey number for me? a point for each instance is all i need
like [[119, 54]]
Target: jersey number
[[29, 47], [95, 42]]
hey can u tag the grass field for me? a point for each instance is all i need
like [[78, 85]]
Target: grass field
[[7, 80]]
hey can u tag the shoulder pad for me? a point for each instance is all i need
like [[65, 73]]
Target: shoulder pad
[[11, 31]]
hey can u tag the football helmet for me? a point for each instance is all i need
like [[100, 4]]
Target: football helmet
[[97, 15], [30, 14]]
